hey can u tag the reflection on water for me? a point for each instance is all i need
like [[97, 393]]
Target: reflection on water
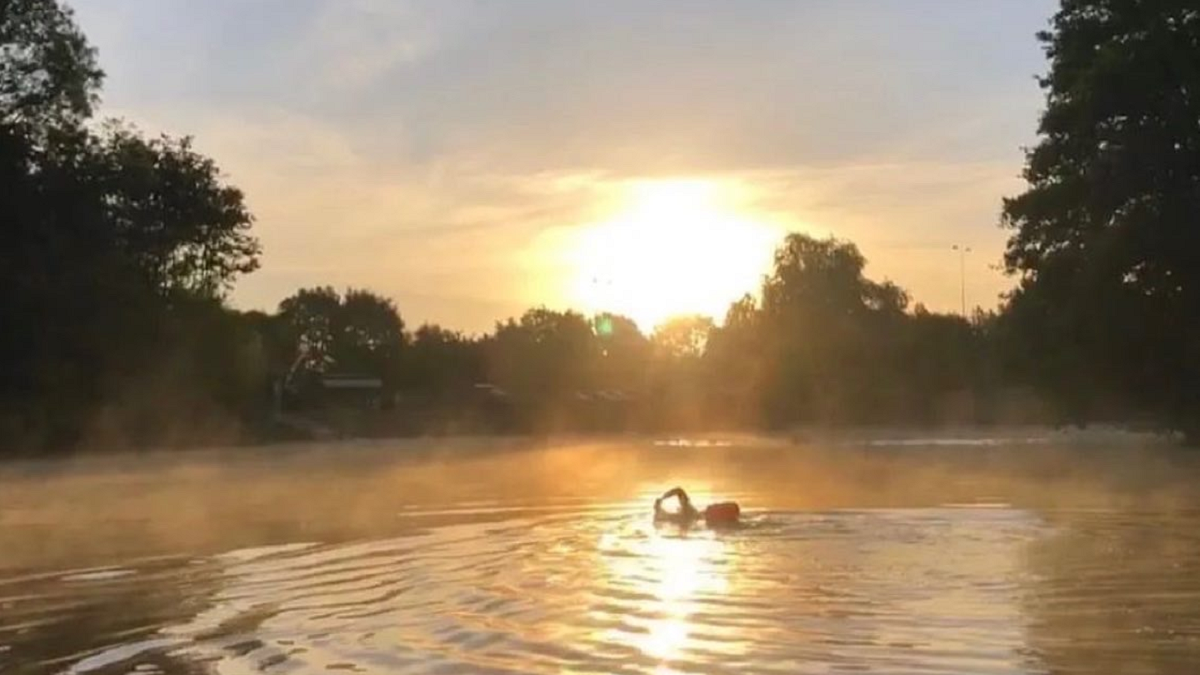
[[673, 573], [546, 582]]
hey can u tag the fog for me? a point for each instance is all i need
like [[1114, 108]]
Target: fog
[[56, 513]]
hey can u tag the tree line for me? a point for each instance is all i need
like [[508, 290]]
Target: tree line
[[824, 344], [119, 250]]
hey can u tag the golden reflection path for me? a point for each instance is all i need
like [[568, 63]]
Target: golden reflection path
[[669, 574]]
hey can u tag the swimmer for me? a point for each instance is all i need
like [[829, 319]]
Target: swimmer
[[723, 514]]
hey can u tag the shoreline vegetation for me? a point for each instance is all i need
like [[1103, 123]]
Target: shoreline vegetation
[[121, 248]]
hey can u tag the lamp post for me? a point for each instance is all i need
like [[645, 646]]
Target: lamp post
[[962, 275]]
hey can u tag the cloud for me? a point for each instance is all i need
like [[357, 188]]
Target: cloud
[[354, 44], [423, 148]]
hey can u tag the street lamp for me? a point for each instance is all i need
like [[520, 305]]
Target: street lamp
[[962, 275]]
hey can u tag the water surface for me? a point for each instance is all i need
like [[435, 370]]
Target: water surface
[[469, 558]]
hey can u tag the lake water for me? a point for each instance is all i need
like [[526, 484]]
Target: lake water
[[948, 556]]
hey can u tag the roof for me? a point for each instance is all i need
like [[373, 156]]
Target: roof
[[351, 382]]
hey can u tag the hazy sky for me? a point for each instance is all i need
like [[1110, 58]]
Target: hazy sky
[[435, 151]]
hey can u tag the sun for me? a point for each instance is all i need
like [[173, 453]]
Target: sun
[[674, 247]]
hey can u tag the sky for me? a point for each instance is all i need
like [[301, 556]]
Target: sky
[[453, 154]]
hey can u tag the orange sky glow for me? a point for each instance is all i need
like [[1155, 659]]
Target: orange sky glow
[[434, 153]]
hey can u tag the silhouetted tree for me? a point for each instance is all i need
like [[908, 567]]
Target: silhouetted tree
[[622, 354], [172, 215], [442, 362], [372, 335], [943, 360], [1105, 238], [48, 73], [543, 358], [824, 330], [361, 333], [106, 237], [311, 320], [735, 366]]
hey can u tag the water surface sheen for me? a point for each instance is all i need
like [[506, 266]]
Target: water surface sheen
[[564, 585]]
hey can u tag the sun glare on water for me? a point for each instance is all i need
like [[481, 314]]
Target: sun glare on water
[[675, 247]]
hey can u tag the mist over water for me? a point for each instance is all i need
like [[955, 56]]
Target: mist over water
[[891, 555]]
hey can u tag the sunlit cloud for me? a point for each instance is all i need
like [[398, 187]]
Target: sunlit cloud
[[444, 153]]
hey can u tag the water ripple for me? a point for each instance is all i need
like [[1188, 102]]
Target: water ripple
[[934, 590]]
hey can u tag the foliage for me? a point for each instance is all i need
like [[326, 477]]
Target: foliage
[[683, 337], [109, 239], [119, 250], [182, 226], [820, 328], [441, 363], [543, 356], [48, 73], [1104, 238], [825, 345], [622, 354], [361, 333]]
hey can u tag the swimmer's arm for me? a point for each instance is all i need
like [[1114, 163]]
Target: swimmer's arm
[[675, 492], [686, 510]]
